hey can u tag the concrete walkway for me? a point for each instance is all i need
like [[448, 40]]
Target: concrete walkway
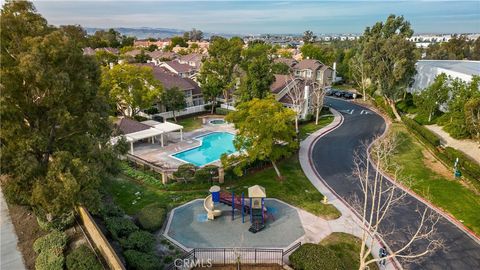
[[317, 228], [10, 257], [469, 147]]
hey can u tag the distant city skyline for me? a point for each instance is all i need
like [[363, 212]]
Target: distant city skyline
[[260, 17]]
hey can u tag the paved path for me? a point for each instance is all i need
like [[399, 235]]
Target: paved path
[[332, 158], [10, 257], [469, 147]]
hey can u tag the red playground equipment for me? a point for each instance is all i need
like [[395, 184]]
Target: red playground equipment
[[254, 206]]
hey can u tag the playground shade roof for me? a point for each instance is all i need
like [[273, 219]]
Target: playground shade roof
[[256, 192]]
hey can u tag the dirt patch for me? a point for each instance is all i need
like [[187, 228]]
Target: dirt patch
[[27, 230], [431, 162]]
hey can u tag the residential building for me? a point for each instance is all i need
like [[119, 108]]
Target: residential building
[[182, 70], [160, 56], [192, 91], [146, 43], [193, 59], [314, 70]]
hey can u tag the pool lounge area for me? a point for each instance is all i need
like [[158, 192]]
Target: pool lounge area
[[212, 147]]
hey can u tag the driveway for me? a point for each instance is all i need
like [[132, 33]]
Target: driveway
[[332, 157]]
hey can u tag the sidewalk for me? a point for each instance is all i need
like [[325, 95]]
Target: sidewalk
[[348, 222], [10, 257], [469, 147]]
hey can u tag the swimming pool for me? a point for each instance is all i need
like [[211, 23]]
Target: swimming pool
[[213, 146]]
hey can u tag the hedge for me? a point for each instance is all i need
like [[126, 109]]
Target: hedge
[[423, 132], [54, 241], [315, 257], [151, 217], [466, 165], [222, 111], [49, 260], [120, 228], [142, 261], [82, 258], [140, 241]]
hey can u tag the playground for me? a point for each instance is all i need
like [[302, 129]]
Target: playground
[[225, 219]]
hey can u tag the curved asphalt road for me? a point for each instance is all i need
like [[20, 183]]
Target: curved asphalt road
[[333, 159]]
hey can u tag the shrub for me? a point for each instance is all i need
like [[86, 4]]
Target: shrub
[[151, 217], [314, 257], [140, 118], [141, 261], [206, 173], [221, 111], [140, 241], [120, 228], [426, 134], [111, 210], [379, 102], [185, 172], [82, 258], [466, 165], [49, 260], [145, 177], [59, 223], [151, 110], [54, 241]]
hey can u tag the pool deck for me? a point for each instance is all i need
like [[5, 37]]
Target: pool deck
[[161, 156]]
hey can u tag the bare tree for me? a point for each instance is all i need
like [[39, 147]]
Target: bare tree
[[297, 97], [380, 196], [317, 98], [359, 73]]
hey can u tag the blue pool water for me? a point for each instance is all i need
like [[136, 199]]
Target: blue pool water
[[214, 145]]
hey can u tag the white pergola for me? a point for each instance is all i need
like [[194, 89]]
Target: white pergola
[[157, 128]]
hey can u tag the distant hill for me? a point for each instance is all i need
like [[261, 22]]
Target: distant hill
[[146, 32]]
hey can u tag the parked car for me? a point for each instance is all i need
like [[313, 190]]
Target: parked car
[[348, 95], [339, 93], [330, 92]]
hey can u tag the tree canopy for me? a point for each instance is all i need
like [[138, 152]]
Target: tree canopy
[[55, 127], [217, 74], [265, 131], [131, 87], [174, 99], [390, 57], [428, 102]]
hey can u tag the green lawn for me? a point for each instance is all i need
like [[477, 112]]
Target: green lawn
[[295, 188], [190, 123], [347, 248], [309, 128], [445, 193], [132, 195]]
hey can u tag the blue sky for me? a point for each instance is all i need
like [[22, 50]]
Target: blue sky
[[254, 17]]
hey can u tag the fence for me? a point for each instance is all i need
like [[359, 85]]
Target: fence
[[228, 107], [225, 256], [99, 240], [189, 110]]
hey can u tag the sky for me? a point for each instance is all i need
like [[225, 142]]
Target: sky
[[258, 17]]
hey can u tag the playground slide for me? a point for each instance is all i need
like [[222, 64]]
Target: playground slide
[[209, 206]]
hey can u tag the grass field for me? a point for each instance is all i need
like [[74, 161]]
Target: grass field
[[190, 123], [432, 181], [294, 188], [310, 128], [347, 248]]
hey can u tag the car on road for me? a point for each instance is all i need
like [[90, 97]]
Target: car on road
[[339, 93], [348, 95]]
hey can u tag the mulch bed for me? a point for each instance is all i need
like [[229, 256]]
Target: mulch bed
[[27, 230]]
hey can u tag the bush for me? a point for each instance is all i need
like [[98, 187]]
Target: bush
[[141, 176], [140, 241], [141, 261], [59, 223], [314, 257], [111, 210], [151, 110], [151, 217], [49, 260], [426, 134], [185, 172], [221, 111], [120, 228], [407, 105], [206, 173], [140, 118], [82, 258], [379, 102], [466, 165], [54, 241]]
